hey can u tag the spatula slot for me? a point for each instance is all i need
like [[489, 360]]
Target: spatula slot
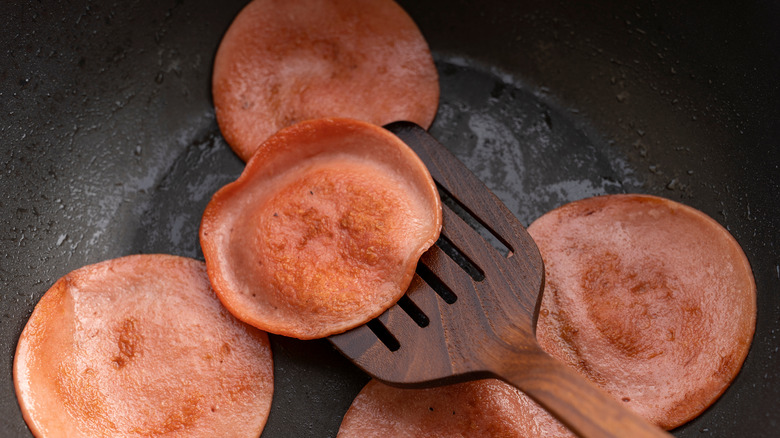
[[411, 309], [458, 257], [490, 236], [383, 334], [436, 284]]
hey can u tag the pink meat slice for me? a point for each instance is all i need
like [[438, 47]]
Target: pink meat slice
[[285, 61], [652, 300], [141, 346], [483, 408]]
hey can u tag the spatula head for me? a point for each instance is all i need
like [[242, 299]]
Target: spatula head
[[476, 292]]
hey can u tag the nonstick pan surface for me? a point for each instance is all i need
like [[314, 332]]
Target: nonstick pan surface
[[109, 147]]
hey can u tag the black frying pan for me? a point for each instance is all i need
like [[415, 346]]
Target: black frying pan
[[108, 147]]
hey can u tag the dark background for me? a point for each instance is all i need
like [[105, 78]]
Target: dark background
[[109, 146]]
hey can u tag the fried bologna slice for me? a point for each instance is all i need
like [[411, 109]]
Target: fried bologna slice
[[482, 408], [285, 61], [652, 300], [141, 346], [323, 229]]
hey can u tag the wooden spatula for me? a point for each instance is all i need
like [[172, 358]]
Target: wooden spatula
[[471, 310]]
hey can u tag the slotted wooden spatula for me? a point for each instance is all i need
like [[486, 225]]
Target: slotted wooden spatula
[[471, 310]]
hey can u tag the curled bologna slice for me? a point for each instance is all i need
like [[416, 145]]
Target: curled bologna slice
[[141, 346], [283, 62], [650, 299], [323, 229]]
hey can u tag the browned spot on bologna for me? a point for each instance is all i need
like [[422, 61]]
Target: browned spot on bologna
[[186, 414], [128, 342], [627, 321], [314, 223], [81, 397], [726, 367]]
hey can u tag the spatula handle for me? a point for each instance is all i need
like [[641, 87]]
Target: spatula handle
[[584, 408]]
